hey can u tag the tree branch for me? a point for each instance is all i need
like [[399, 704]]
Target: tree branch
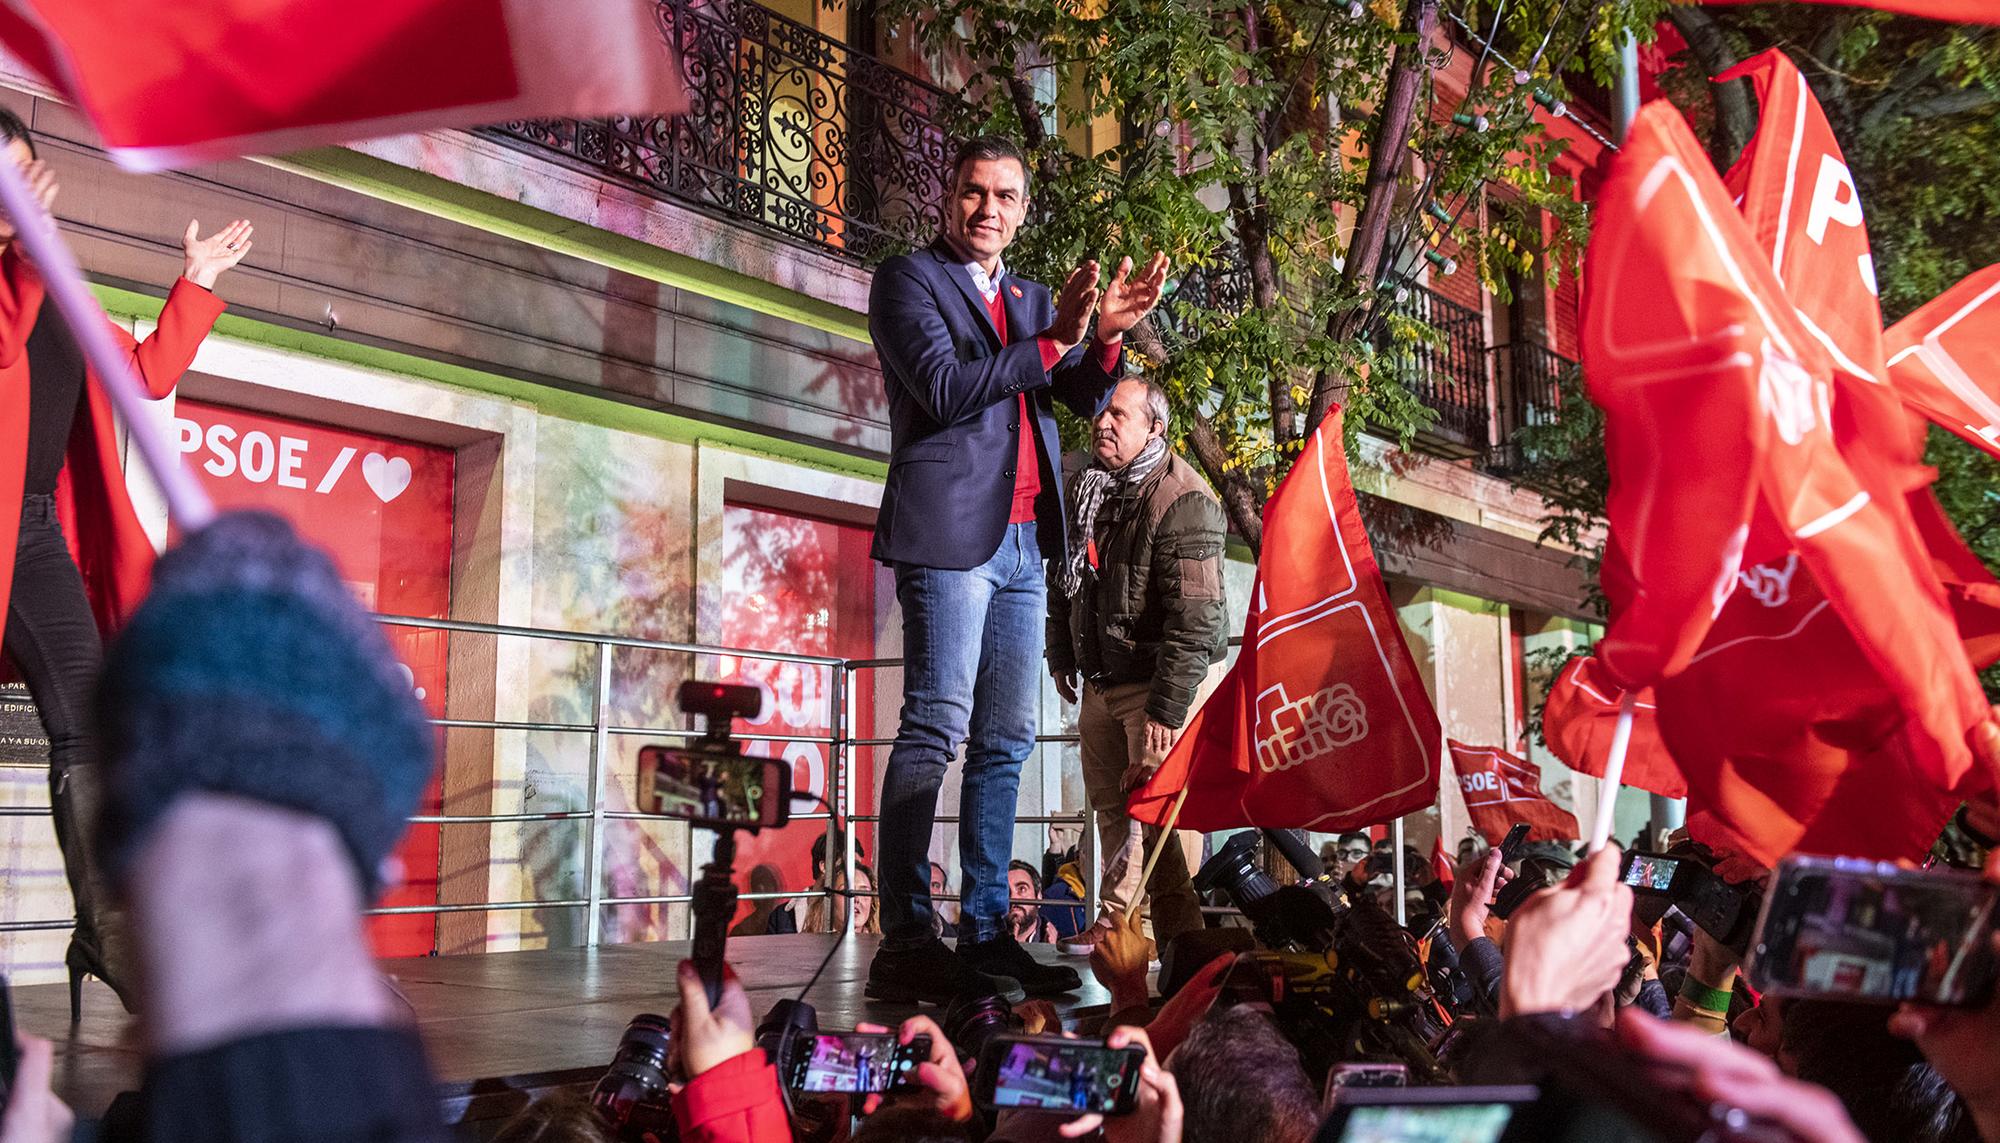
[[1239, 498], [1388, 154], [1735, 110]]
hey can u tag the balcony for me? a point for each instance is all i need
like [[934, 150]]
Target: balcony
[[789, 130], [1448, 374], [1529, 379]]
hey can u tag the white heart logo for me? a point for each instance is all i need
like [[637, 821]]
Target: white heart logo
[[388, 476]]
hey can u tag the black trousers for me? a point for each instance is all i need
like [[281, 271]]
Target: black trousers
[[51, 638]]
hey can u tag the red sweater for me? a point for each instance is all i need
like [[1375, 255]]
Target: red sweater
[[1027, 466]]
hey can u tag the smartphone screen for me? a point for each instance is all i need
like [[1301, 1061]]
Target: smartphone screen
[[1650, 872], [856, 1062], [1353, 1075], [1856, 930], [728, 789], [1459, 1123], [1048, 1073]]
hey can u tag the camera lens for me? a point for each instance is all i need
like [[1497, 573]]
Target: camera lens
[[973, 1019], [1233, 870], [637, 1074]]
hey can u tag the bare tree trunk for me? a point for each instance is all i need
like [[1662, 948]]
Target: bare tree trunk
[[1735, 110], [1388, 155]]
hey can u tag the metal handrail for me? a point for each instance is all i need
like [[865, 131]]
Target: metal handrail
[[836, 739]]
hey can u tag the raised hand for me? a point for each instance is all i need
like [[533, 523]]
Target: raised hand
[[1156, 1119], [1074, 305], [1130, 297], [1566, 945], [207, 258]]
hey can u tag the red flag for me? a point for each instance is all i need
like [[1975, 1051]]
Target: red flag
[[1950, 11], [1323, 722], [1502, 789], [1441, 867], [178, 83], [1945, 359], [1687, 322], [1582, 712]]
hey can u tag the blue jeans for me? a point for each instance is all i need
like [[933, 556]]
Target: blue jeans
[[972, 649]]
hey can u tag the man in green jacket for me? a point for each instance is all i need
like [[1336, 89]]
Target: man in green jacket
[[1136, 610]]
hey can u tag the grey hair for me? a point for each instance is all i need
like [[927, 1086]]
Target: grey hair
[[1156, 401]]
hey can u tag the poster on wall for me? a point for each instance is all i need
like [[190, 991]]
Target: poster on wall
[[798, 584], [382, 508]]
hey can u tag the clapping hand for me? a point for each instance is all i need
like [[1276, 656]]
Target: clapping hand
[[1074, 305], [1130, 296]]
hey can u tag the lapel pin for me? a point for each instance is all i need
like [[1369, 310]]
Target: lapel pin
[[1016, 290]]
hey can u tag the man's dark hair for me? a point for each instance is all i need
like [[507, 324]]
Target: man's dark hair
[[11, 128], [910, 1121], [1883, 1080], [1241, 1079], [990, 147], [1359, 836], [1034, 875]]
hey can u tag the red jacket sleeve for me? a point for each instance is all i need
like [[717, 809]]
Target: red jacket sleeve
[[167, 352], [736, 1101], [20, 303]]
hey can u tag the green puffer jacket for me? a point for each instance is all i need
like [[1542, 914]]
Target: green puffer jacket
[[1152, 611]]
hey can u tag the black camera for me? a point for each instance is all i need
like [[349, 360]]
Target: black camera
[[973, 1018], [632, 1094]]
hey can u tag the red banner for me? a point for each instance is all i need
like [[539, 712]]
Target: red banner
[[1502, 789], [179, 83], [382, 508], [1580, 717], [1950, 11], [1323, 722]]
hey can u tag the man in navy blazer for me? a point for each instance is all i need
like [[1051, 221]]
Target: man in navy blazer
[[974, 359]]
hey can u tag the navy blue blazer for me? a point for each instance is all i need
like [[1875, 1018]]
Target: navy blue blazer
[[954, 428]]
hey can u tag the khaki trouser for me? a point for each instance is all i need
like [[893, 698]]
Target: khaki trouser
[[1111, 726]]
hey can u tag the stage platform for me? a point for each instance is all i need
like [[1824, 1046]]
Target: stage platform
[[502, 1027]]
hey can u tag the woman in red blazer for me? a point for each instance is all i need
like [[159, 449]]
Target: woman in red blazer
[[79, 558]]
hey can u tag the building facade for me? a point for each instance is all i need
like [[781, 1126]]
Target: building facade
[[615, 379]]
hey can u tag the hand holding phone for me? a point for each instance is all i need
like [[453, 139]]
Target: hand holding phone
[[1511, 845], [856, 1063], [1057, 1074], [1836, 928]]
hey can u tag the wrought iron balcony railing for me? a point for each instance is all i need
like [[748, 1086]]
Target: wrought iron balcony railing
[[1448, 374], [790, 130], [1529, 379]]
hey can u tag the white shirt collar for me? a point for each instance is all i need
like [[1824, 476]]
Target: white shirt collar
[[989, 287]]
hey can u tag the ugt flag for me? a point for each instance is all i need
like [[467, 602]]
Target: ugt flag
[[1501, 789], [1323, 722], [170, 84], [1580, 716]]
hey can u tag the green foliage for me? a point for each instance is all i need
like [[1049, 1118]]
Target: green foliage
[[1246, 157]]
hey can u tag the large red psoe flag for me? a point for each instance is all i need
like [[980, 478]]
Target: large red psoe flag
[[1581, 715], [1945, 359], [1770, 587], [170, 84], [1323, 722], [1502, 789], [1950, 11]]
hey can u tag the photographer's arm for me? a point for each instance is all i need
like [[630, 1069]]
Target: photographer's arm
[[732, 1095]]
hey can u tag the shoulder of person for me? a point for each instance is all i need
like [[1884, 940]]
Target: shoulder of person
[[1181, 491]]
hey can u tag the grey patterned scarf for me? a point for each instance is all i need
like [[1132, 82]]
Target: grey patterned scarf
[[1093, 484]]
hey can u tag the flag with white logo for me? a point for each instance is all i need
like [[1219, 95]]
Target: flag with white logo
[[1323, 722], [1766, 575], [1501, 789]]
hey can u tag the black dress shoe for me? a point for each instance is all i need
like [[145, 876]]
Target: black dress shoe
[[1004, 956], [932, 974]]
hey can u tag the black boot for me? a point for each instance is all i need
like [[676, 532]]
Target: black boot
[[1003, 955], [931, 973], [101, 945]]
